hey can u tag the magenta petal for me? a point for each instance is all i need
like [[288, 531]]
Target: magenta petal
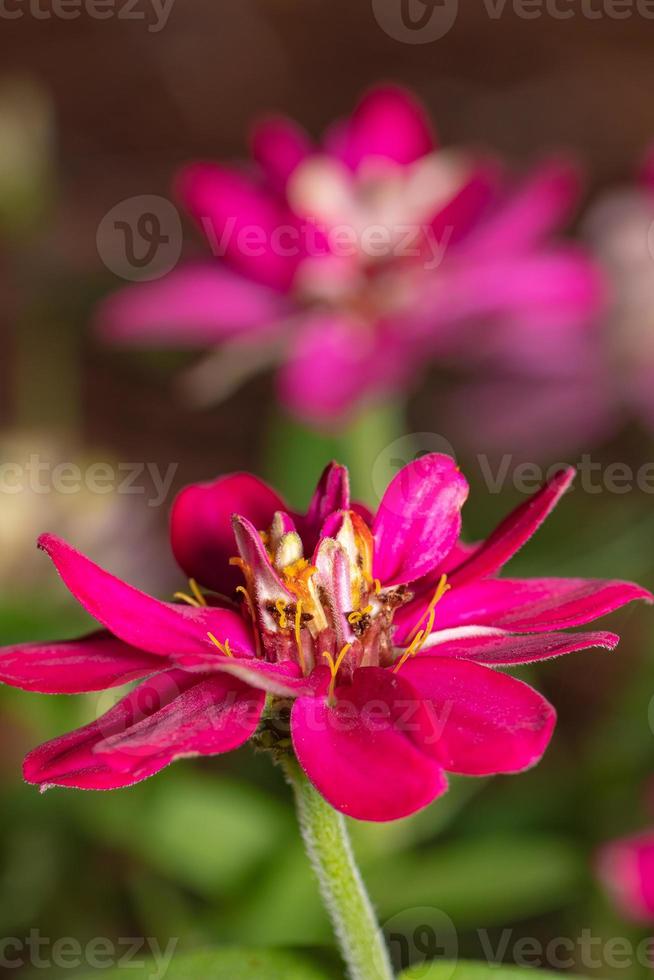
[[279, 145], [201, 526], [90, 663], [332, 494], [524, 605], [364, 754], [388, 122], [506, 649], [173, 714], [178, 631], [536, 209], [195, 305], [627, 869], [484, 722], [242, 223], [419, 519], [284, 680], [514, 531]]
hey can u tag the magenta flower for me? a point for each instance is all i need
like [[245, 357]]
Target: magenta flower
[[626, 867], [354, 262], [365, 645]]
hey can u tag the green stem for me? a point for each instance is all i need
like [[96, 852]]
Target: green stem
[[343, 891]]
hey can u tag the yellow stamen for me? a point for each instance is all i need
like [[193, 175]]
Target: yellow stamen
[[246, 596], [280, 606], [377, 585], [195, 589], [441, 589], [298, 635], [187, 598], [223, 647], [411, 650], [334, 668]]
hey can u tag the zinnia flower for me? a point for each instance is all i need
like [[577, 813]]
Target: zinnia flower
[[354, 262], [366, 645]]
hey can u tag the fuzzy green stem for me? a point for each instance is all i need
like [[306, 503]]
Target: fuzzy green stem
[[328, 846]]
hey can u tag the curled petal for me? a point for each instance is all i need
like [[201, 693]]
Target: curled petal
[[332, 494], [514, 531], [483, 722], [90, 663], [173, 714], [419, 519], [201, 526], [497, 648], [525, 605], [364, 754], [180, 632]]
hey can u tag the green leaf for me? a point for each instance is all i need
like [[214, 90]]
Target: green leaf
[[474, 971], [229, 963], [490, 880]]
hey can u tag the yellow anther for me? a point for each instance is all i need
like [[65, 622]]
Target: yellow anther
[[441, 589], [358, 614], [334, 667], [195, 589], [298, 635], [280, 606], [183, 597], [377, 586], [223, 647]]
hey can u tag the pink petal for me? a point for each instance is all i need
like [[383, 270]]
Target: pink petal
[[388, 122], [284, 680], [505, 649], [279, 145], [332, 494], [177, 631], [419, 519], [91, 663], [201, 526], [196, 305], [526, 605], [334, 365], [536, 209], [627, 869], [364, 754], [514, 531], [484, 722], [454, 221], [173, 714], [242, 222]]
